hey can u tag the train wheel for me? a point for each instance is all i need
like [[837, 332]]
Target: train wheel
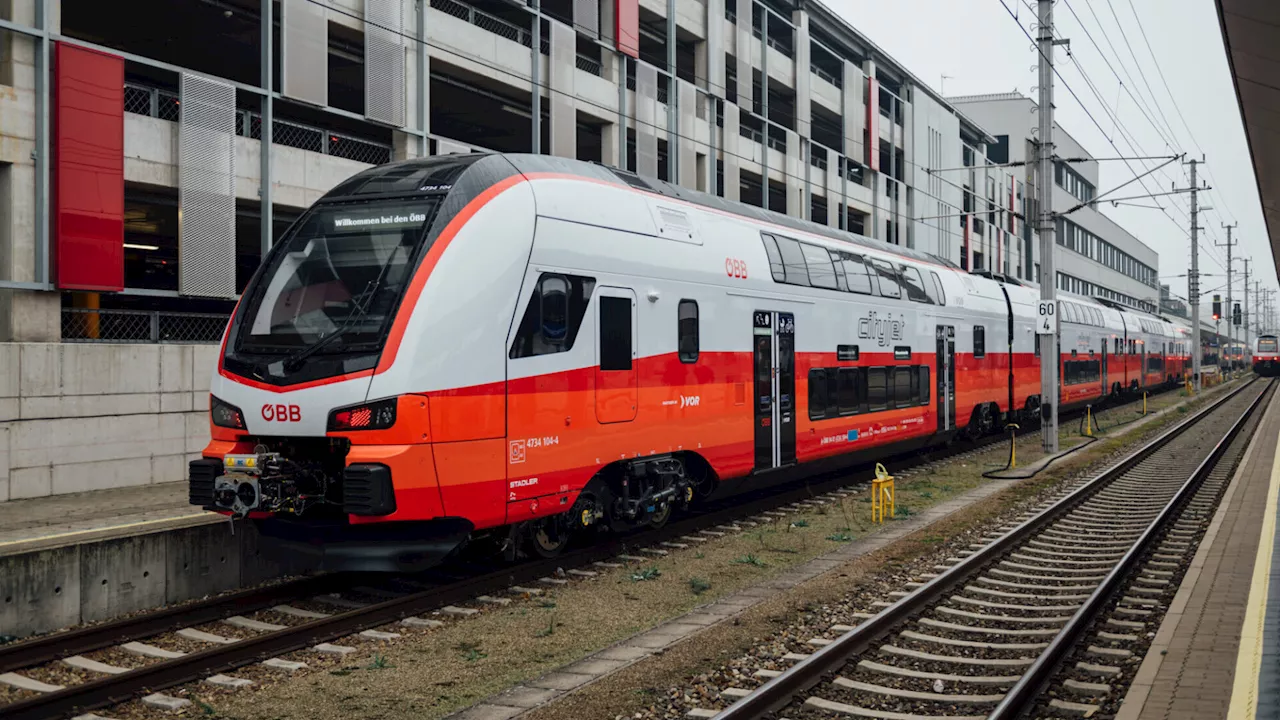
[[549, 537], [660, 516]]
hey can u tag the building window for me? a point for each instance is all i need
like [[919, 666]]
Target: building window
[[998, 152], [687, 331], [554, 315]]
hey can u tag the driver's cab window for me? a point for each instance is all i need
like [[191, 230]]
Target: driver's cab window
[[553, 315]]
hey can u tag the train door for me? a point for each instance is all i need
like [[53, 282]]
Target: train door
[[774, 388], [1105, 385], [945, 351], [616, 377]]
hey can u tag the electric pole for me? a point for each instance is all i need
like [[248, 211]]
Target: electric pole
[[1193, 284], [1247, 355], [1048, 274], [1230, 313]]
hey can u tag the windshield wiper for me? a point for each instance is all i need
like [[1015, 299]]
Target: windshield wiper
[[359, 309]]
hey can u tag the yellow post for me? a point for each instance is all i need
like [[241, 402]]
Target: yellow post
[[1144, 402], [881, 495], [1088, 421]]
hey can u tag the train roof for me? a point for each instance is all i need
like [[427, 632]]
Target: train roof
[[435, 175]]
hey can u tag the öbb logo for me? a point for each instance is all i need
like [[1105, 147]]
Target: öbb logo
[[281, 413], [735, 268]]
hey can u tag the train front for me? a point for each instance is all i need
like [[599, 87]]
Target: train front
[[1266, 356], [306, 441]]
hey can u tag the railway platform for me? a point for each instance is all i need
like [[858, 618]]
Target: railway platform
[[1217, 652], [68, 559]]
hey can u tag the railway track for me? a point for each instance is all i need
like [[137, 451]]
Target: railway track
[[1050, 614], [216, 635]]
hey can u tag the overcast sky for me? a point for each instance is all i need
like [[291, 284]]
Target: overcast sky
[[980, 48]]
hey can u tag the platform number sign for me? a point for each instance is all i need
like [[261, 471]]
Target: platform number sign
[[1047, 318]]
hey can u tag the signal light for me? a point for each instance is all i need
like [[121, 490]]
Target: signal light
[[378, 415], [1217, 308], [224, 414]]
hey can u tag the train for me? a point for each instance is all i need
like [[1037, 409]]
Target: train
[[1266, 356], [522, 350]]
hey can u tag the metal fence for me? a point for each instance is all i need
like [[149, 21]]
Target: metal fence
[[141, 326], [163, 104]]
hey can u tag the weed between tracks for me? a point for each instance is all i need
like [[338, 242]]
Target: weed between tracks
[[430, 674]]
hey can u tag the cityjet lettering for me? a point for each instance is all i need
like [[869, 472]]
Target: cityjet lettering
[[882, 330]]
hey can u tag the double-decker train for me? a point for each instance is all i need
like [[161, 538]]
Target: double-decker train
[[520, 348]]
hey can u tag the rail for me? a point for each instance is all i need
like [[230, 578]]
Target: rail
[[778, 692]]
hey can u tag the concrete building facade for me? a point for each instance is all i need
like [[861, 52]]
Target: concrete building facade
[[1094, 255], [152, 124]]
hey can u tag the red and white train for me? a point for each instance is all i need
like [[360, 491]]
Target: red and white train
[[1266, 356], [521, 347]]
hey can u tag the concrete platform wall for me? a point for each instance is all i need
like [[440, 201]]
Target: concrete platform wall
[[79, 417], [58, 587]]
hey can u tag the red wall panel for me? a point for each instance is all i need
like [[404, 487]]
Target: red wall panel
[[88, 169], [873, 124], [627, 27]]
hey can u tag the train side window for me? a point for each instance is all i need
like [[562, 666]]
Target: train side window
[[979, 341], [887, 277], [687, 331], [775, 258], [932, 288], [877, 388], [847, 391], [615, 333], [915, 286], [793, 261], [833, 393], [855, 272], [821, 272], [817, 393], [925, 390], [553, 316], [937, 285], [904, 395]]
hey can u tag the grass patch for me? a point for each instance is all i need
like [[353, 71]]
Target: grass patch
[[470, 651], [840, 537], [750, 559], [649, 573], [800, 523], [699, 585], [380, 663]]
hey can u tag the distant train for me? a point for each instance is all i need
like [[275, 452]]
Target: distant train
[[523, 348], [1266, 356]]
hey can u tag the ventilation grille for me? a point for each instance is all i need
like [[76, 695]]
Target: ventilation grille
[[206, 188], [304, 51], [384, 62]]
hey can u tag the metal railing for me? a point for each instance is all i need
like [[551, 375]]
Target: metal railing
[[89, 325], [492, 23], [163, 104]]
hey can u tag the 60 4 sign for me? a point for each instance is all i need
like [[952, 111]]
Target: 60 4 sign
[[1047, 317]]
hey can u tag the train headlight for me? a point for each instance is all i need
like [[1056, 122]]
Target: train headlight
[[378, 415], [224, 414]]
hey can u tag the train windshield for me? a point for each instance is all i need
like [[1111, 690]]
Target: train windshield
[[1268, 344], [336, 283]]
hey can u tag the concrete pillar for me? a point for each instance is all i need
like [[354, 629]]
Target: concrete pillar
[[609, 145], [730, 143], [804, 73], [875, 223], [709, 60], [24, 315]]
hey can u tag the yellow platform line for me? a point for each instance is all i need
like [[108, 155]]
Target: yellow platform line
[[1244, 690], [105, 529]]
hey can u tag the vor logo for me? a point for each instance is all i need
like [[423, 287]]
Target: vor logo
[[690, 400]]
